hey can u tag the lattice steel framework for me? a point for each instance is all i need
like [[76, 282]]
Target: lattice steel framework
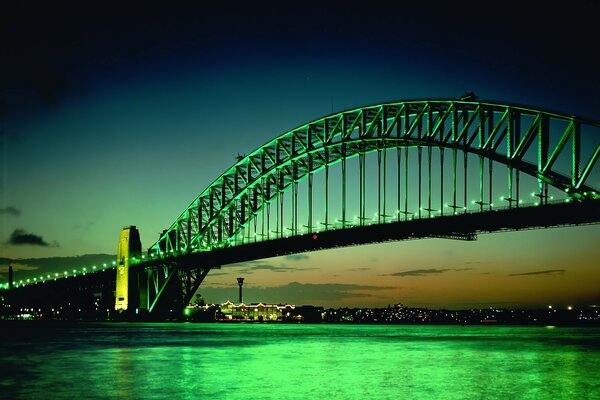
[[182, 282], [501, 133]]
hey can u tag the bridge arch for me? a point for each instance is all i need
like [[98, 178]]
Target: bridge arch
[[523, 139]]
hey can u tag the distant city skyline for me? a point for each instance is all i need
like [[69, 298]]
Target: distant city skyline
[[121, 118]]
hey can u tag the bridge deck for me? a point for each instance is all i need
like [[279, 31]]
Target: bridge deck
[[460, 226]]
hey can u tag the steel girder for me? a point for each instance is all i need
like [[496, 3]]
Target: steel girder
[[181, 281], [499, 132]]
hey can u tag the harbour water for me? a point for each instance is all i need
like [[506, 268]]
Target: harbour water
[[281, 361]]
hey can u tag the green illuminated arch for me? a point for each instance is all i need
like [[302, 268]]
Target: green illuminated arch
[[501, 132]]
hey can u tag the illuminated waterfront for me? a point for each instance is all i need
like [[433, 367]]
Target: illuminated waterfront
[[280, 361]]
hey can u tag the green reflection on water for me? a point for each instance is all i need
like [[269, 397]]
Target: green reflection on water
[[220, 361]]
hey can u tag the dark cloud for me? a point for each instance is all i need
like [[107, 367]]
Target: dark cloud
[[10, 211], [271, 267], [17, 266], [544, 272], [359, 269], [206, 285], [20, 237], [59, 264], [427, 271], [293, 293], [249, 269], [420, 272], [297, 257], [252, 266], [211, 273]]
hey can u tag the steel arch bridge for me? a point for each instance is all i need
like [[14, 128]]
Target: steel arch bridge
[[500, 133], [446, 153]]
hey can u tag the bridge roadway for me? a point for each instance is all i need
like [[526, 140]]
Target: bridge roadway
[[92, 295], [464, 226]]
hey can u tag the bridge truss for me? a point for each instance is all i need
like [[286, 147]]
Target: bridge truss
[[406, 161], [522, 140]]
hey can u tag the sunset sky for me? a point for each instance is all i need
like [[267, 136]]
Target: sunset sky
[[122, 116]]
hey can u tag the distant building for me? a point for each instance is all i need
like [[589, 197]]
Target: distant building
[[256, 312]]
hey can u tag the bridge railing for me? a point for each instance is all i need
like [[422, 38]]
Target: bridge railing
[[338, 226], [55, 276]]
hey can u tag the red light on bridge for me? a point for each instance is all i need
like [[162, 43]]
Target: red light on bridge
[[315, 237]]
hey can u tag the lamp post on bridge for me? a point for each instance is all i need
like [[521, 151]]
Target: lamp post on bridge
[[240, 283]]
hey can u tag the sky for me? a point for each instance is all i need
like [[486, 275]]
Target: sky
[[121, 115]]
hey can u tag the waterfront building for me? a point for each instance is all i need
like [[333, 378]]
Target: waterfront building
[[255, 312]]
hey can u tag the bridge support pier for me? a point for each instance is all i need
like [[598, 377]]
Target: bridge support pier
[[127, 286], [170, 287]]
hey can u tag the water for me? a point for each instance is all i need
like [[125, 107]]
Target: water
[[261, 361]]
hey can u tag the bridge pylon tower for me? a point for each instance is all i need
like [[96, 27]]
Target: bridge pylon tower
[[129, 249]]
